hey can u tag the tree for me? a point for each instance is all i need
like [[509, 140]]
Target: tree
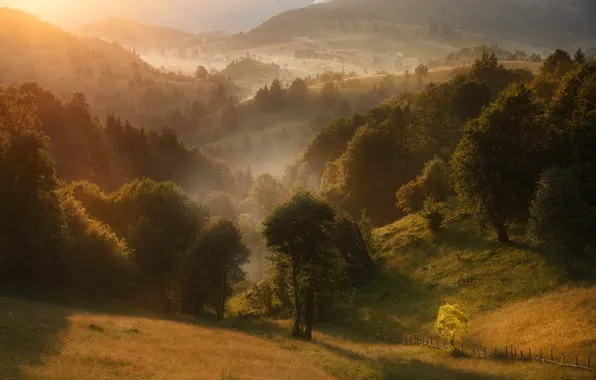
[[366, 175], [433, 183], [214, 263], [262, 99], [201, 73], [329, 94], [33, 234], [298, 91], [498, 160], [559, 62], [559, 213], [160, 223], [451, 322], [276, 95], [579, 57], [421, 70], [299, 233]]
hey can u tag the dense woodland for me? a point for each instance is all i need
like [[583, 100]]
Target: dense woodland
[[106, 209]]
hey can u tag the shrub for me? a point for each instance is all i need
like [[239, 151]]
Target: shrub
[[451, 322], [433, 214]]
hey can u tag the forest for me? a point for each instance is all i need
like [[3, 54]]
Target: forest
[[108, 209]]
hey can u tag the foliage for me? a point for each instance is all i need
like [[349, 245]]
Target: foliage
[[433, 183], [97, 263], [433, 214], [33, 231], [451, 322], [559, 62], [559, 213], [498, 160], [212, 265], [299, 233]]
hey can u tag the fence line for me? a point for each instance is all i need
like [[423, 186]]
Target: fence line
[[509, 352]]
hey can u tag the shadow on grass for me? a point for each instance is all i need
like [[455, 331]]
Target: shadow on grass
[[29, 332], [411, 369]]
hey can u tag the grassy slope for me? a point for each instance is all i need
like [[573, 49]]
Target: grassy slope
[[41, 341], [513, 294]]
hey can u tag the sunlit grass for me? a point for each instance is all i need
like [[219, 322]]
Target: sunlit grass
[[42, 341]]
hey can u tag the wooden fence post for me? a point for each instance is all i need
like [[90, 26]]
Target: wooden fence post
[[506, 354], [576, 360], [551, 355], [530, 353]]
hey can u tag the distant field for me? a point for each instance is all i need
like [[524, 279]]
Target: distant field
[[43, 341]]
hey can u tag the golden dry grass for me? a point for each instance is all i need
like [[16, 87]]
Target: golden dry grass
[[42, 341], [564, 320]]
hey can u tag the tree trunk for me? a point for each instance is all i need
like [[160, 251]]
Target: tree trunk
[[222, 300], [296, 328], [501, 230], [309, 313], [453, 341]]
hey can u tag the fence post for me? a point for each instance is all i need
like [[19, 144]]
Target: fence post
[[530, 353], [576, 360], [506, 354], [551, 355]]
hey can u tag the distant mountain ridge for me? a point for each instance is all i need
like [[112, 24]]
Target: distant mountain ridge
[[550, 23], [544, 23], [135, 34]]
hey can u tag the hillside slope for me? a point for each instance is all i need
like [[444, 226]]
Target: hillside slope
[[42, 341], [513, 294], [134, 34], [552, 23]]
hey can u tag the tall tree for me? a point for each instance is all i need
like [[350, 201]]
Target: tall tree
[[215, 262], [299, 233], [498, 160], [33, 233]]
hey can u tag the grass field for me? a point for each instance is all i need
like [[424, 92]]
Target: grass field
[[43, 341], [515, 295]]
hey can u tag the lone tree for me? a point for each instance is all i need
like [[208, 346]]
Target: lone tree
[[451, 323], [497, 163], [299, 232]]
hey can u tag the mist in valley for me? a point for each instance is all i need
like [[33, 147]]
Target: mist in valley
[[225, 176]]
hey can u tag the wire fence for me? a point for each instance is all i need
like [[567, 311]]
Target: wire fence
[[507, 352]]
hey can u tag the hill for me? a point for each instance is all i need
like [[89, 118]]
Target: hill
[[44, 341], [551, 23], [514, 295], [113, 79], [136, 35]]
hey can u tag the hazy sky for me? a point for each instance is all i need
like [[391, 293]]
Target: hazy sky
[[191, 15]]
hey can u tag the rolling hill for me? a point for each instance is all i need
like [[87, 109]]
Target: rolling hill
[[113, 79], [136, 35], [52, 342], [552, 23]]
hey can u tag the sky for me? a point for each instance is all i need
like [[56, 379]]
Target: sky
[[189, 15]]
